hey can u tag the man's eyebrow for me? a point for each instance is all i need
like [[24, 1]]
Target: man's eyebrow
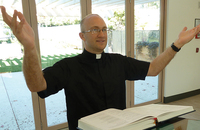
[[98, 27]]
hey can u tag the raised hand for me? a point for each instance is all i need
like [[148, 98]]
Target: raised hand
[[186, 36], [31, 63], [22, 30]]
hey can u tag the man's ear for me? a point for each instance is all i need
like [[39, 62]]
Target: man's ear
[[81, 35]]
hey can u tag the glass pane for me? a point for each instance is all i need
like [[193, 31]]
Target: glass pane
[[113, 12], [59, 27], [147, 40], [16, 110]]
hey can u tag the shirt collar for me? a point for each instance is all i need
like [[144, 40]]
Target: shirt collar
[[91, 55]]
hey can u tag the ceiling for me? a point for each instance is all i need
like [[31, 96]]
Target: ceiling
[[67, 7], [72, 7]]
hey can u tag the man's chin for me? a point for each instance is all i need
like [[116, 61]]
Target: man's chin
[[102, 47]]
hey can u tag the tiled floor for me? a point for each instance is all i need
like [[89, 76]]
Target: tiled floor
[[16, 103], [191, 101]]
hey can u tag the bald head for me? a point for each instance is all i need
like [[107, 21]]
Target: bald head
[[93, 42], [88, 19]]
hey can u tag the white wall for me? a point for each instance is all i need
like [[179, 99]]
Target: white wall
[[183, 73]]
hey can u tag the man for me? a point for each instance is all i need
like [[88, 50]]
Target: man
[[94, 80]]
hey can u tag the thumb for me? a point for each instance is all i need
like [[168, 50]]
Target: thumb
[[184, 29]]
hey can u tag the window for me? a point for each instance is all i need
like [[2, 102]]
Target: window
[[147, 46], [16, 103]]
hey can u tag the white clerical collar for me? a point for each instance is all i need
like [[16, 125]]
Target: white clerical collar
[[98, 56]]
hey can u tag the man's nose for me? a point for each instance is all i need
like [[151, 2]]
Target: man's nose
[[101, 33]]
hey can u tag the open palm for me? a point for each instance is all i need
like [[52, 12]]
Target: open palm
[[186, 36]]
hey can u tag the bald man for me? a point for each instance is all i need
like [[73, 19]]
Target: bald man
[[94, 80]]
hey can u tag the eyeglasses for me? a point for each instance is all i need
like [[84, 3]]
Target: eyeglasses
[[97, 31]]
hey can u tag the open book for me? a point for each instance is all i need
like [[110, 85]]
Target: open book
[[136, 118]]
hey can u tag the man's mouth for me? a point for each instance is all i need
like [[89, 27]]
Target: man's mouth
[[100, 40]]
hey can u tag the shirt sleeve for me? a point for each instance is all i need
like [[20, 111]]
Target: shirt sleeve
[[135, 69], [54, 77]]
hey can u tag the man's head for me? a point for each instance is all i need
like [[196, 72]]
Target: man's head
[[94, 33]]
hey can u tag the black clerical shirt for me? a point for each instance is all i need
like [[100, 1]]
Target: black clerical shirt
[[92, 82]]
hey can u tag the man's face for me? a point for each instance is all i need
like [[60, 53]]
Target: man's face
[[94, 42]]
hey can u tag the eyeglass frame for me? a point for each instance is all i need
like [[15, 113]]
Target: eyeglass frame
[[97, 32]]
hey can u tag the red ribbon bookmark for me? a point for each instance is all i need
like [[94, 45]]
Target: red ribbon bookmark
[[155, 121]]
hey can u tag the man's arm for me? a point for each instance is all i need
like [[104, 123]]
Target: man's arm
[[31, 65], [160, 62], [33, 71]]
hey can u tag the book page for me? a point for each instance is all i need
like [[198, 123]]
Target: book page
[[104, 118], [112, 118], [156, 109]]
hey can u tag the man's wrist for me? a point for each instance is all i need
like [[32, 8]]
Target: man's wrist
[[175, 48], [30, 49]]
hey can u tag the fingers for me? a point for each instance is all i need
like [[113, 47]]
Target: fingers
[[2, 9], [197, 30], [194, 30], [14, 21], [20, 16], [6, 17], [20, 25], [198, 27]]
